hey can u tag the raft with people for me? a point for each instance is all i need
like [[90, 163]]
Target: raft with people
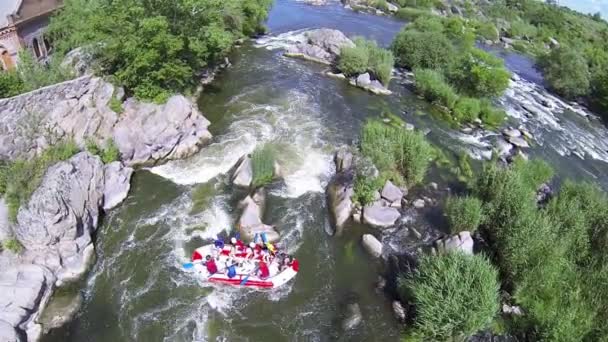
[[257, 265]]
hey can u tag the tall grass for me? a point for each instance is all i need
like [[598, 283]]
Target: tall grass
[[19, 179], [432, 85], [366, 56], [262, 164], [463, 213], [396, 151]]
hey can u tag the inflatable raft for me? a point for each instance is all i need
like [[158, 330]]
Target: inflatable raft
[[246, 269]]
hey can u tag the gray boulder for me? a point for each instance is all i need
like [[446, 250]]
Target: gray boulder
[[462, 242], [343, 159], [243, 175], [353, 317], [419, 203], [518, 141], [60, 310], [364, 80], [117, 182], [8, 332], [340, 191], [320, 45], [391, 193], [392, 8], [378, 216], [5, 228], [372, 245], [511, 132], [79, 61], [399, 311], [250, 222]]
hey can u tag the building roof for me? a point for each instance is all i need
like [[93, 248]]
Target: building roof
[[7, 7]]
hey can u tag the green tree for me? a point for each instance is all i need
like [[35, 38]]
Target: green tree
[[566, 71], [479, 73]]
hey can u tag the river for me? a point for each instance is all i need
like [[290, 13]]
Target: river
[[137, 290]]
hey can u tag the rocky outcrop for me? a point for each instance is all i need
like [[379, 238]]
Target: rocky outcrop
[[462, 242], [243, 174], [341, 189], [391, 193], [352, 317], [55, 228], [364, 81], [250, 222], [145, 133], [372, 245], [380, 216], [399, 311], [319, 45]]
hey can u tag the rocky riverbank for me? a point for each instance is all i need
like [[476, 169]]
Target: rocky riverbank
[[56, 226]]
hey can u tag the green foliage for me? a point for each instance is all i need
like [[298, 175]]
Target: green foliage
[[396, 151], [366, 189], [262, 164], [488, 31], [381, 5], [533, 173], [414, 49], [467, 109], [410, 14], [12, 245], [10, 84], [464, 167], [479, 73], [491, 116], [24, 176], [427, 24], [110, 152], [416, 3], [455, 295], [566, 71], [522, 29], [115, 105], [434, 88], [463, 213], [37, 75], [155, 49], [366, 56], [91, 147]]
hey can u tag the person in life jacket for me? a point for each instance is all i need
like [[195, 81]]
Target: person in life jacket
[[210, 264], [231, 271], [263, 270], [250, 251]]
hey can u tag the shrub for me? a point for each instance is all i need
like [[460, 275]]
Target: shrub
[[467, 109], [37, 75], [490, 115], [416, 3], [381, 63], [427, 24], [366, 189], [488, 31], [396, 151], [566, 71], [533, 173], [381, 5], [432, 85], [10, 84], [110, 153], [410, 14], [414, 49], [522, 29], [455, 295], [262, 164], [353, 60], [464, 166], [23, 177], [115, 105], [12, 245], [366, 56], [463, 213], [479, 73], [91, 147], [4, 169]]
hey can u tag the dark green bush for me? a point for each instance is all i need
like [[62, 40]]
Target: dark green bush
[[110, 153], [479, 73], [366, 189], [411, 14], [463, 213], [12, 245], [487, 30], [10, 84], [455, 295], [353, 60], [262, 164], [467, 109], [434, 88], [567, 72], [414, 49], [366, 56], [491, 116]]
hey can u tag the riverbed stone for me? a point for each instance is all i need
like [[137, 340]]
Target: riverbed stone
[[399, 311], [250, 222], [340, 192], [320, 45], [5, 228], [392, 8], [8, 332], [343, 159], [462, 242], [60, 310], [379, 216], [419, 203], [518, 141], [511, 132], [372, 245], [117, 182], [353, 317], [391, 193], [243, 175]]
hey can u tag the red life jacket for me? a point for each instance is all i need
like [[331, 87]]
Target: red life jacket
[[240, 245], [295, 265], [264, 273], [211, 266], [196, 256]]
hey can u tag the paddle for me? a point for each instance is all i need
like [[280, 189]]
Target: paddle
[[189, 265], [244, 281]]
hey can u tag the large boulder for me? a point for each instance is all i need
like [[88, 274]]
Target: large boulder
[[340, 191], [8, 333], [379, 216], [352, 317], [320, 45], [60, 310], [462, 242], [250, 222], [391, 193], [117, 182], [343, 159], [5, 228], [372, 245], [243, 175], [145, 133]]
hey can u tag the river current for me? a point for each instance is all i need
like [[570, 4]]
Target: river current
[[137, 290]]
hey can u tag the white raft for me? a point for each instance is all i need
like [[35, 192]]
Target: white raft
[[246, 269]]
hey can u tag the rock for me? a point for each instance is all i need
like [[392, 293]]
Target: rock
[[145, 133], [518, 141], [466, 130], [78, 60], [353, 317], [8, 332], [392, 8], [399, 311], [343, 159], [5, 228], [380, 217], [503, 148], [488, 42], [409, 126], [372, 245], [433, 186], [315, 2], [363, 80], [418, 204], [60, 310], [380, 284], [243, 175], [117, 182], [357, 217], [462, 242], [320, 45], [340, 191], [250, 222], [391, 193], [511, 133], [553, 43], [507, 40], [544, 194], [339, 76], [512, 310], [456, 10]]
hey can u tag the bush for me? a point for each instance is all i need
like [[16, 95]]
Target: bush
[[490, 115], [432, 85], [427, 24], [110, 153], [396, 151], [381, 63], [463, 213], [37, 75], [414, 49], [366, 56], [115, 105], [533, 173], [10, 84], [467, 109], [353, 60], [566, 71], [366, 189], [381, 5], [522, 29], [262, 164], [464, 167], [411, 14], [455, 295], [24, 176], [479, 73], [488, 31], [12, 245]]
